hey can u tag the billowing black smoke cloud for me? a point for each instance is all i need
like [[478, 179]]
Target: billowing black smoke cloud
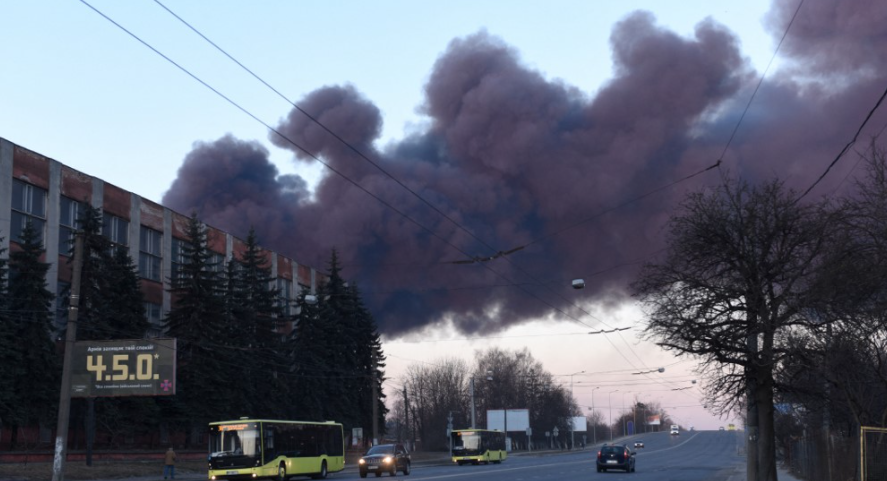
[[513, 157]]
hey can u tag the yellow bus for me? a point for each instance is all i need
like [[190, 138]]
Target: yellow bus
[[261, 448], [477, 446]]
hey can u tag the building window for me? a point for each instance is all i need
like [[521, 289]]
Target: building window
[[28, 205], [116, 230], [179, 259], [70, 213], [285, 295], [216, 262], [149, 254], [154, 315]]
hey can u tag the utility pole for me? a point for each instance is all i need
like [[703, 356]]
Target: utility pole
[[751, 450], [375, 390], [471, 390], [572, 423], [61, 436], [594, 417], [406, 410]]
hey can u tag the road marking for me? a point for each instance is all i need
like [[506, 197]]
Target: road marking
[[670, 448], [502, 470]]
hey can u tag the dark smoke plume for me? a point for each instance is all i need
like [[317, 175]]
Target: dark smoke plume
[[514, 157]]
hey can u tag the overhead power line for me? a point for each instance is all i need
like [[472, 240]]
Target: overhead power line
[[344, 142], [473, 259], [761, 80], [315, 157], [846, 147]]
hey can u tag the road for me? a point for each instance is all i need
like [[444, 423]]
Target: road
[[690, 456]]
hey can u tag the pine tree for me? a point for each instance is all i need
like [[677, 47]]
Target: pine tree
[[236, 352], [371, 361], [309, 356], [337, 353], [257, 327], [124, 310], [196, 321], [111, 302], [335, 314], [96, 255], [111, 307], [36, 364]]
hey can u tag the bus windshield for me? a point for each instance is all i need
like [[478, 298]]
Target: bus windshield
[[466, 444], [234, 445]]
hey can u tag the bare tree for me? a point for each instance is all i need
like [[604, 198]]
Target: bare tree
[[435, 391], [515, 380], [741, 266]]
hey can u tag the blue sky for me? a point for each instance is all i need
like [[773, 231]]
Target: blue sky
[[76, 88]]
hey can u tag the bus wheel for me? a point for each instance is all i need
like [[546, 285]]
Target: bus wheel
[[281, 472], [322, 473], [406, 469]]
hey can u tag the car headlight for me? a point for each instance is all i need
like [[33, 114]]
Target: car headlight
[[387, 459], [362, 461]]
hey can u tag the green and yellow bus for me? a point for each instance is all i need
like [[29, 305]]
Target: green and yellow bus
[[477, 446], [261, 448]]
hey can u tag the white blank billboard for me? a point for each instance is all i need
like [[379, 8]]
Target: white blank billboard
[[518, 420], [580, 424]]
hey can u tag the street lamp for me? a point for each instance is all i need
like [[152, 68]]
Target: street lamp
[[471, 385], [624, 430], [661, 369], [593, 417], [572, 427], [610, 404]]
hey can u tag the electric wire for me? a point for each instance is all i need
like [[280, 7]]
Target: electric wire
[[386, 204], [386, 173], [761, 81], [846, 147], [430, 231], [861, 158], [324, 127]]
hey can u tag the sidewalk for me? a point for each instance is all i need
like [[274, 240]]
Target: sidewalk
[[741, 471]]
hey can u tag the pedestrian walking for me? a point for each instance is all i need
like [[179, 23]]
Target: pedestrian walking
[[169, 464]]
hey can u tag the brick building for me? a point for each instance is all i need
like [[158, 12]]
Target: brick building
[[46, 192]]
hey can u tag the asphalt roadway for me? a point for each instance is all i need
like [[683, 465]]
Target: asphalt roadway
[[690, 456]]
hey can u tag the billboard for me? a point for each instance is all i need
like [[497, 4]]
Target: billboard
[[580, 424], [654, 420], [518, 420], [135, 367]]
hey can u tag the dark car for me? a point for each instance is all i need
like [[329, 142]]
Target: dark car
[[615, 456], [385, 458]]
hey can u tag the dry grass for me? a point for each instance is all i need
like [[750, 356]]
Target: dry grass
[[98, 470]]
